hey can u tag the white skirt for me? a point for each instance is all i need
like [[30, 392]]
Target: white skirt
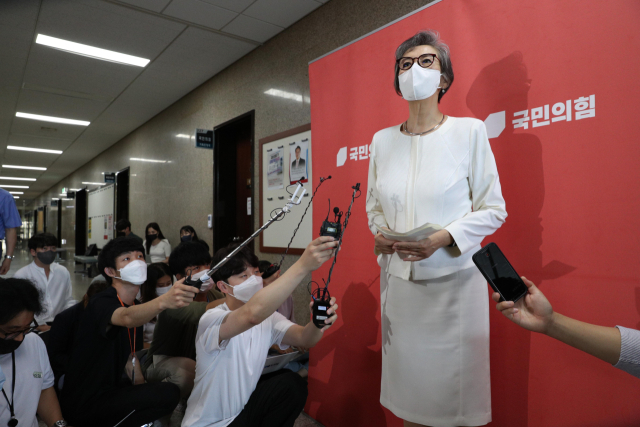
[[435, 349]]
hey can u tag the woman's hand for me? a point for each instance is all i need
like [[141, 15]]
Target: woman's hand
[[383, 244], [532, 312], [417, 251]]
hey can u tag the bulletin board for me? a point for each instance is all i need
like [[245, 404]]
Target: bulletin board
[[278, 167], [100, 218]]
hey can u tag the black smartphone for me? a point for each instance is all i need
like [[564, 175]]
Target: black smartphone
[[502, 277]]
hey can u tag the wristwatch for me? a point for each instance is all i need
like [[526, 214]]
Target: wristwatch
[[9, 256], [61, 423]]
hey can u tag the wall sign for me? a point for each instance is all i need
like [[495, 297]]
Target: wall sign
[[204, 138]]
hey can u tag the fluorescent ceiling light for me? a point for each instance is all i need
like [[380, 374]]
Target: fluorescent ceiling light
[[182, 135], [94, 183], [35, 168], [288, 95], [54, 198], [16, 192], [52, 119], [63, 194], [37, 150], [75, 189], [66, 200], [13, 186], [16, 197], [90, 51], [13, 178], [148, 160]]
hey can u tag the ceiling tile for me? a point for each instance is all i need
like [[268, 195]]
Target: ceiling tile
[[154, 5], [199, 12], [281, 12], [251, 28], [37, 142], [18, 13], [49, 104], [22, 126], [235, 5], [26, 158]]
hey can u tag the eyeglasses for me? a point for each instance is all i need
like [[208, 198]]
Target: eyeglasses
[[425, 61], [15, 335]]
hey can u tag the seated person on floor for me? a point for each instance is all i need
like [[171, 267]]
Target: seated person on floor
[[51, 278], [159, 281], [172, 355], [95, 392], [28, 388], [64, 330], [123, 229], [233, 340]]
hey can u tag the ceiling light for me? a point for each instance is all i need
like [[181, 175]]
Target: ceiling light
[[148, 160], [52, 119], [75, 189], [35, 168], [13, 178], [37, 150], [90, 51], [66, 200], [288, 95], [54, 198], [94, 183], [182, 135], [16, 192], [69, 207], [13, 186], [16, 197]]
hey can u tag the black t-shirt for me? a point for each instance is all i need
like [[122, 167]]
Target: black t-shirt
[[61, 338], [99, 356]]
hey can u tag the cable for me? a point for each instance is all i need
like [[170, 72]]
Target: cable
[[301, 219]]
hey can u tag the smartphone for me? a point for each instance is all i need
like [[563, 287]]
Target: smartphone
[[501, 276]]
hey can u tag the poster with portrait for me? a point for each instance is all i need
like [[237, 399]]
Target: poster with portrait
[[275, 169], [299, 157]]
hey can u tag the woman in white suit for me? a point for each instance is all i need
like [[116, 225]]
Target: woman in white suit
[[433, 169]]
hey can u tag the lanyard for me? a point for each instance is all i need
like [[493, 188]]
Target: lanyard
[[13, 422], [132, 346]]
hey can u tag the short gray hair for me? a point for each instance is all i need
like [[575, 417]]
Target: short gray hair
[[427, 38]]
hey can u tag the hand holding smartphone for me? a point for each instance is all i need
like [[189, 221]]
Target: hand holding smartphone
[[502, 277]]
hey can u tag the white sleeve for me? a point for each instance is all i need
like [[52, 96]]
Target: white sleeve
[[489, 211], [21, 274], [47, 373], [629, 351], [208, 335], [375, 214], [70, 302], [167, 249], [280, 326]]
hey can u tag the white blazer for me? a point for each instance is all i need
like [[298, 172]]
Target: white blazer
[[448, 177]]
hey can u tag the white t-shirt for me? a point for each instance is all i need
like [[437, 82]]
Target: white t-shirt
[[56, 289], [228, 372], [33, 374], [161, 251]]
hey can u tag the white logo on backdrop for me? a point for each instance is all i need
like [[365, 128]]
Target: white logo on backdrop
[[583, 107]]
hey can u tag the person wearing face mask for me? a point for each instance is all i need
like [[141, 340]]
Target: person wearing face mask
[[158, 248], [233, 340], [53, 280], [95, 393], [433, 169], [172, 355], [28, 386], [188, 234], [159, 282]]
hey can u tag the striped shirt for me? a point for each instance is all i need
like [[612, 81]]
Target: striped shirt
[[629, 351]]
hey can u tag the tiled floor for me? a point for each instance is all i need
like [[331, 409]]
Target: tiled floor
[[80, 283]]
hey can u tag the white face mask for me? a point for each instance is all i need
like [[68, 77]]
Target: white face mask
[[163, 290], [245, 290], [135, 272], [419, 83], [207, 282]]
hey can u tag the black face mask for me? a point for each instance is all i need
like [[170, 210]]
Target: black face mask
[[46, 257], [186, 238], [121, 234], [8, 346], [151, 237]]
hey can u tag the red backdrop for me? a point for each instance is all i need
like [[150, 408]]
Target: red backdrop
[[571, 189]]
